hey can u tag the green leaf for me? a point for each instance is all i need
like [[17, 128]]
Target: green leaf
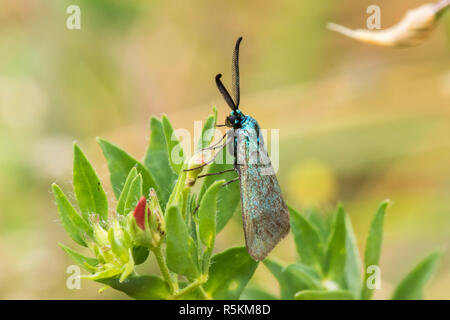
[[141, 287], [134, 194], [120, 163], [229, 273], [176, 198], [207, 214], [321, 223], [303, 275], [253, 292], [228, 196], [353, 261], [117, 244], [323, 295], [157, 161], [88, 264], [74, 224], [174, 148], [289, 284], [125, 191], [335, 256], [308, 241], [411, 287], [373, 247], [140, 254], [88, 189], [208, 130], [181, 251]]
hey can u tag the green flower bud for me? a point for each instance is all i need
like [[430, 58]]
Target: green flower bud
[[198, 161], [119, 244], [100, 234], [157, 223]]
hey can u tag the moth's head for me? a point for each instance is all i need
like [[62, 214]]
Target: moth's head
[[235, 119]]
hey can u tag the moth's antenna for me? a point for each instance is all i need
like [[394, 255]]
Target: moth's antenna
[[235, 73], [224, 92]]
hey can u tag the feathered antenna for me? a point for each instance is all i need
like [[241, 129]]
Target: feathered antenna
[[234, 104], [235, 73], [224, 92]]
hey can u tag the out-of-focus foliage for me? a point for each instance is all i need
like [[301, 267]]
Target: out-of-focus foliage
[[329, 266], [372, 122]]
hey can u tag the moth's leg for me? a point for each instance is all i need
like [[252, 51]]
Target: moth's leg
[[196, 209], [210, 161], [203, 165], [215, 173], [216, 145], [231, 181]]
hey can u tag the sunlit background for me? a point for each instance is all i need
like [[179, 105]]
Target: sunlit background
[[358, 124]]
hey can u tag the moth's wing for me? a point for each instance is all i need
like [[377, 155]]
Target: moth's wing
[[264, 213]]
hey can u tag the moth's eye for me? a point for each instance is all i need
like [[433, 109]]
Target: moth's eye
[[229, 121]]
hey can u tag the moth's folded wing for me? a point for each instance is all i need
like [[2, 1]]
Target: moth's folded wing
[[264, 212]]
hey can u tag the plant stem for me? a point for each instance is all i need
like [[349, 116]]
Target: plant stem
[[206, 259], [204, 293], [191, 287], [165, 270]]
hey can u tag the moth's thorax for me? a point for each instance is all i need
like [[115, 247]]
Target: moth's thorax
[[237, 120], [249, 123]]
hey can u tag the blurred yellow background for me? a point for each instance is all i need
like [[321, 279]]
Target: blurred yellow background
[[358, 124]]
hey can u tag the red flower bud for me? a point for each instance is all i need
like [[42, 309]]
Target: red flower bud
[[139, 212]]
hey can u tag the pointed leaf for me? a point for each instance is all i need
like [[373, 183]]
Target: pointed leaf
[[289, 284], [87, 263], [141, 287], [228, 196], [306, 276], [373, 247], [157, 161], [181, 251], [74, 224], [335, 256], [411, 287], [208, 130], [176, 198], [353, 261], [321, 223], [252, 292], [323, 295], [174, 148], [120, 163], [229, 273], [207, 214], [88, 189], [134, 194], [125, 191], [308, 241]]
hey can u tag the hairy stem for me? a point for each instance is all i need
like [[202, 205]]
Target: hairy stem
[[173, 284], [191, 287], [204, 293]]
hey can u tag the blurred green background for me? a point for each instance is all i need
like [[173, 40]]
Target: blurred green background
[[358, 124]]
